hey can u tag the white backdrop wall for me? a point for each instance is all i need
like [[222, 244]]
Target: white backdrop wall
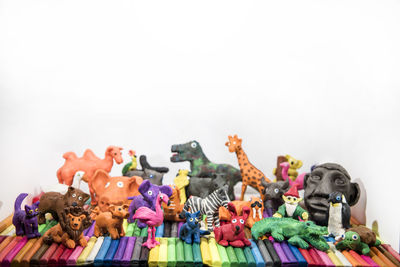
[[316, 79]]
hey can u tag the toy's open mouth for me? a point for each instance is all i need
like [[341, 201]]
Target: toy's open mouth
[[175, 157]]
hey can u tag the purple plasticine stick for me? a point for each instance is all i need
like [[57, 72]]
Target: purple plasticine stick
[[281, 254], [130, 245], [289, 255], [90, 230], [121, 249]]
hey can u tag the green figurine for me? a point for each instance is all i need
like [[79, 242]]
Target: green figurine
[[291, 206], [298, 233], [358, 238]]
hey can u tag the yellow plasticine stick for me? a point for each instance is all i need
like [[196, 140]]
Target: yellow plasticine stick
[[205, 251], [125, 225], [8, 230], [153, 255], [163, 253], [335, 260], [85, 252], [216, 259]]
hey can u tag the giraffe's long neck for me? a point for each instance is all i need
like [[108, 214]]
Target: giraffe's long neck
[[242, 157]]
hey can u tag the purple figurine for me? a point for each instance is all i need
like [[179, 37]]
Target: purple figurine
[[25, 221], [148, 198]]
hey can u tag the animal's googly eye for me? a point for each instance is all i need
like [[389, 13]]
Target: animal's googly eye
[[196, 219], [308, 223], [342, 236], [241, 221], [194, 145], [276, 190], [354, 237], [107, 185], [36, 209], [74, 195], [151, 176], [191, 219], [234, 221], [150, 192], [31, 211], [119, 209], [338, 198], [120, 184], [80, 198]]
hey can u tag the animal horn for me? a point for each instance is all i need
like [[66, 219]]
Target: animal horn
[[263, 182]]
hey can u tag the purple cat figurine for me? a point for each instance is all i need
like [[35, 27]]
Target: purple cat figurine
[[25, 221], [148, 197]]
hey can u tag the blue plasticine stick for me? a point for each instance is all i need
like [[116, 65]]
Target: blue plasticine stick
[[99, 260], [160, 231], [108, 259], [256, 254], [296, 252]]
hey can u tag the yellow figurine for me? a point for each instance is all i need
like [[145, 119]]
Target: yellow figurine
[[294, 165], [130, 166], [181, 181]]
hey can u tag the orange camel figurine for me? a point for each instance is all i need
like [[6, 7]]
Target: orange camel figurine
[[88, 163], [250, 174]]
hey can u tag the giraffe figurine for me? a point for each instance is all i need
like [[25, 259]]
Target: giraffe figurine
[[250, 174]]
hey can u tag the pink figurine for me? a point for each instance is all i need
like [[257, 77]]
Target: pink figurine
[[89, 163], [299, 180], [152, 219]]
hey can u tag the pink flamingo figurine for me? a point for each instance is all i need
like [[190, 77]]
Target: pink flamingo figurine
[[299, 180], [152, 219]]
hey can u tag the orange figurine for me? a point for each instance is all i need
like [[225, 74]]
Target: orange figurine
[[174, 208], [255, 205], [250, 174], [88, 163]]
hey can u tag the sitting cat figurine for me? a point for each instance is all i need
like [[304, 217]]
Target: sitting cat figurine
[[190, 231], [25, 221]]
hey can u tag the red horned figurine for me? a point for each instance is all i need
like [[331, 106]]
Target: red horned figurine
[[232, 234]]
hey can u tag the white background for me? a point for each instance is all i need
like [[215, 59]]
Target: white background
[[315, 79]]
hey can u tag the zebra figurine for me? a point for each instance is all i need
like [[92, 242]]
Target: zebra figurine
[[208, 206]]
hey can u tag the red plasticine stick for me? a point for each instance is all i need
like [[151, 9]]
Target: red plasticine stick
[[56, 255], [65, 255], [307, 257], [9, 247], [47, 255], [358, 258], [10, 256], [316, 257]]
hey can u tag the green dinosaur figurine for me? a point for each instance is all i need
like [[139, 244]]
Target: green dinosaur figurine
[[201, 166], [299, 233], [358, 238]]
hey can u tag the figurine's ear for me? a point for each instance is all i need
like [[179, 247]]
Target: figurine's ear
[[70, 189], [125, 207], [246, 212], [111, 208], [83, 216], [285, 184], [143, 188], [27, 209], [197, 213], [232, 209], [85, 197], [70, 215], [166, 189], [354, 194], [187, 214], [134, 185]]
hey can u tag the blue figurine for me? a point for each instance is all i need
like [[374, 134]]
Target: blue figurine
[[25, 221], [190, 231]]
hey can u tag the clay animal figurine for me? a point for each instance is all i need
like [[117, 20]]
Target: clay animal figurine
[[208, 206], [152, 219], [323, 180], [339, 214], [55, 203], [89, 163], [148, 172], [190, 231], [256, 211], [202, 187], [172, 211], [278, 170], [291, 208], [359, 238], [201, 166], [298, 233], [25, 221], [147, 198], [130, 166], [250, 174], [273, 193], [111, 221], [232, 234], [181, 181], [113, 190], [225, 214], [76, 220], [298, 182]]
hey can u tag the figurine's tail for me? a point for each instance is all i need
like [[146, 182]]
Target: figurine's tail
[[18, 201]]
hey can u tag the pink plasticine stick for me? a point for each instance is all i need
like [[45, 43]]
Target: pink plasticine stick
[[368, 260], [10, 256], [325, 258], [75, 254]]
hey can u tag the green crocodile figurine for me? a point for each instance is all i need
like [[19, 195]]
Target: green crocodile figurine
[[299, 233], [201, 166], [358, 238]]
